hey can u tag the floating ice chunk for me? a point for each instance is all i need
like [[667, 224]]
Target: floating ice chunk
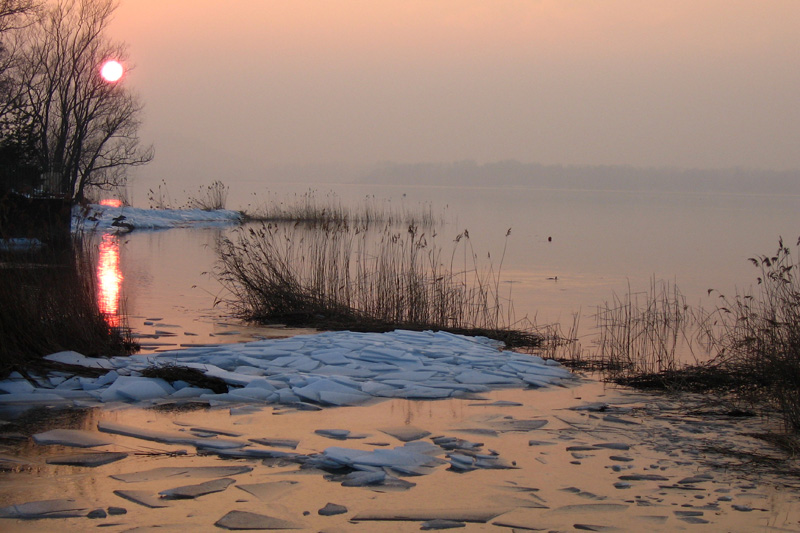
[[484, 378], [413, 375], [331, 356], [232, 378], [441, 524], [363, 479], [378, 389], [278, 443], [303, 363], [190, 392], [287, 396], [418, 391], [422, 515], [256, 453], [141, 433], [184, 472], [76, 438], [142, 497], [270, 491], [261, 384], [127, 388], [614, 446], [346, 371], [340, 434], [264, 395], [332, 509], [249, 371], [194, 491], [395, 458], [343, 456], [16, 386], [246, 520], [72, 383], [313, 390], [31, 398], [63, 508], [87, 459], [406, 433], [512, 424], [342, 399], [77, 359]]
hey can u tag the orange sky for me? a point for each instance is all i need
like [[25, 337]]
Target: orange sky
[[251, 84]]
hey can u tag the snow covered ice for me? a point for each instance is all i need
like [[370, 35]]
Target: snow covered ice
[[327, 369], [101, 217]]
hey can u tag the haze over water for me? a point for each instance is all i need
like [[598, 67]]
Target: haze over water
[[280, 91]]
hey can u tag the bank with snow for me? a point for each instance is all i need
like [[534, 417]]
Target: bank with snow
[[104, 218], [326, 369]]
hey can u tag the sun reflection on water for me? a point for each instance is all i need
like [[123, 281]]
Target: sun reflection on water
[[109, 278]]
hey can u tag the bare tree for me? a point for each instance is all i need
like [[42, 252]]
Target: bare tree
[[83, 129], [11, 12]]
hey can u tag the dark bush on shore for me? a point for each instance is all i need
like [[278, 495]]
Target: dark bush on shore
[[758, 336], [49, 304], [752, 341], [334, 276]]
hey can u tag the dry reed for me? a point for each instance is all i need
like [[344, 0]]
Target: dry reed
[[341, 277]]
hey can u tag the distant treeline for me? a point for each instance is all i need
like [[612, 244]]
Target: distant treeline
[[623, 178]]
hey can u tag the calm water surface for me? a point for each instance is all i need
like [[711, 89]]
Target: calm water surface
[[568, 252]]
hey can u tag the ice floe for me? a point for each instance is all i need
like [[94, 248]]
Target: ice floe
[[103, 217], [326, 369]]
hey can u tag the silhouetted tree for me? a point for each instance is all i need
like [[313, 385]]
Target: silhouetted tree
[[82, 129]]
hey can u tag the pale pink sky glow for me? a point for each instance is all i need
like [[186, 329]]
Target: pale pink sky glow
[[254, 84]]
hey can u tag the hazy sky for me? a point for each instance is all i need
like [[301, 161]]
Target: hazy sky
[[247, 85]]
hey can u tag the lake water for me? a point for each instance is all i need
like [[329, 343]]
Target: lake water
[[568, 251]]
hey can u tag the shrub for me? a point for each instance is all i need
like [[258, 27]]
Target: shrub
[[758, 336]]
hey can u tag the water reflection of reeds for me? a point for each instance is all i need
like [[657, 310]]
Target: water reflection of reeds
[[51, 303]]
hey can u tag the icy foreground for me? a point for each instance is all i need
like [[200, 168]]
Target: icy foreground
[[103, 217], [329, 369]]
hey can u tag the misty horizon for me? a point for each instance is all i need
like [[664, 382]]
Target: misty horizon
[[265, 88]]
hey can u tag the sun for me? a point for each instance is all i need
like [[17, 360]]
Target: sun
[[112, 71]]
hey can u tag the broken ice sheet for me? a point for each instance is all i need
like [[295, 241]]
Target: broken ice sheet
[[245, 520], [422, 515], [142, 497], [590, 508], [277, 443], [513, 424], [62, 508], [194, 491], [186, 472], [167, 437], [77, 438], [340, 434], [271, 490], [406, 433], [87, 459]]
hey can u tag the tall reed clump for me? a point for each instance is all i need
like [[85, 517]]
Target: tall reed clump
[[757, 336], [310, 208], [212, 197], [342, 277], [644, 333], [50, 305]]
